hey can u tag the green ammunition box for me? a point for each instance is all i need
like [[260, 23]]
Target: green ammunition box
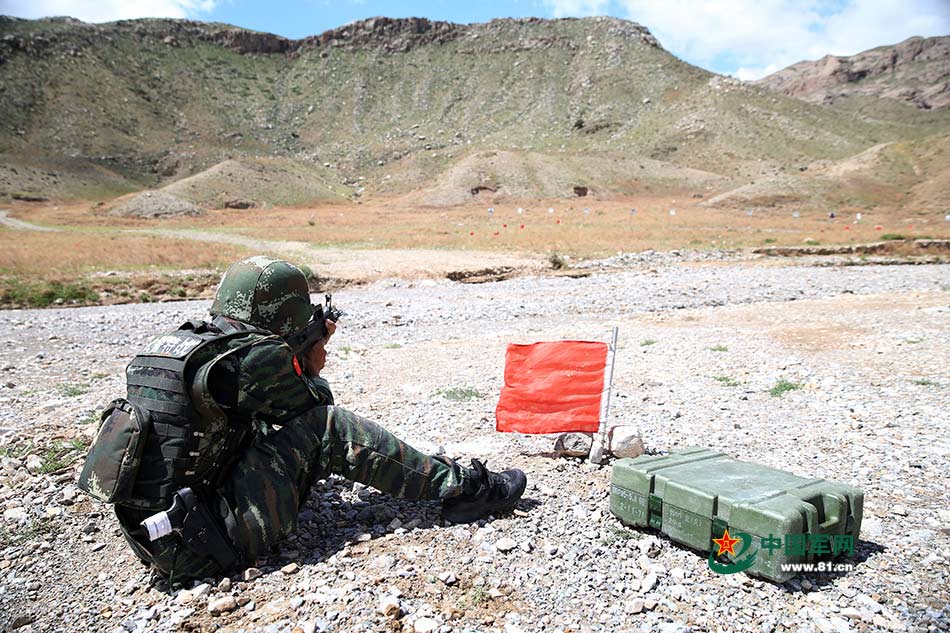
[[695, 495]]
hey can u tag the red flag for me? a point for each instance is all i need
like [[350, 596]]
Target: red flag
[[552, 387]]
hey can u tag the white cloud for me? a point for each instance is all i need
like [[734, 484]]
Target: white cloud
[[751, 74], [751, 38], [107, 10], [576, 8]]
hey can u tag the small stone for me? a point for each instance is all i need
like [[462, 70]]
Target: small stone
[[851, 613], [634, 606], [625, 441], [289, 569], [425, 625], [296, 603], [201, 590], [224, 585], [899, 510], [526, 546], [678, 592], [389, 606], [251, 573], [550, 550], [573, 444], [222, 605], [824, 625], [448, 578], [648, 582], [16, 514], [22, 620], [506, 544]]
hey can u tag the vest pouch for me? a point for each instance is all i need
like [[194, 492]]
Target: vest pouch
[[116, 454]]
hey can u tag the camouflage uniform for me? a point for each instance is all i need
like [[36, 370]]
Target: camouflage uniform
[[298, 435], [303, 438]]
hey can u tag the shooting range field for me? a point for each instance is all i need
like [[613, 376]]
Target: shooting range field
[[120, 259], [836, 372]]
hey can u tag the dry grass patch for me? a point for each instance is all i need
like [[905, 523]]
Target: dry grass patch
[[606, 227], [45, 255]]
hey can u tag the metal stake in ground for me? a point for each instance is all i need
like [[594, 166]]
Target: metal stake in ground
[[600, 439]]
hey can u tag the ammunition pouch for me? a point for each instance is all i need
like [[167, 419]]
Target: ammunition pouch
[[115, 457]]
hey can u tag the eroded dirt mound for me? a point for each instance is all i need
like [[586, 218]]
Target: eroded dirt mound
[[257, 182], [498, 175], [154, 204]]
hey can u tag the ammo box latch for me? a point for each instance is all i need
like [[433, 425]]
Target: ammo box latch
[[719, 526], [655, 512]]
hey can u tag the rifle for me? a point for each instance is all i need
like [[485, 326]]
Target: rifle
[[316, 328]]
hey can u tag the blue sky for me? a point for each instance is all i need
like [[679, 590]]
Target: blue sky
[[745, 38]]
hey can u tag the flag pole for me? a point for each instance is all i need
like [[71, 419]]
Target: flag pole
[[600, 439]]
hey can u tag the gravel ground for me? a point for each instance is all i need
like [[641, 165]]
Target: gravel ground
[[701, 345]]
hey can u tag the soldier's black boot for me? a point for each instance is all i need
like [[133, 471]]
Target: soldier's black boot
[[497, 492]]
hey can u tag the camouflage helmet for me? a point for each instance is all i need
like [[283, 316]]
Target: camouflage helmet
[[264, 292]]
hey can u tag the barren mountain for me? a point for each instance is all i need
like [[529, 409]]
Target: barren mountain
[[394, 107], [916, 71]]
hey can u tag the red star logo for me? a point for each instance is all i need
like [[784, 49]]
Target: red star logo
[[726, 544]]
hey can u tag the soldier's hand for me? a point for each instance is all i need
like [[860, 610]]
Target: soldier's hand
[[316, 358], [331, 327]]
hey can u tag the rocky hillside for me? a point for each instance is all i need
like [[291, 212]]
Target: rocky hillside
[[916, 71], [392, 106]]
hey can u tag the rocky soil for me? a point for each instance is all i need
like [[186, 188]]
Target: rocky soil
[[702, 343], [154, 204]]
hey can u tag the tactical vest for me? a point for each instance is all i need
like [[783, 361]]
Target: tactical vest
[[168, 433]]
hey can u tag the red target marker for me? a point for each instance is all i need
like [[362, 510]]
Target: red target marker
[[472, 233], [847, 228], [504, 226], [522, 226], [878, 227], [558, 221]]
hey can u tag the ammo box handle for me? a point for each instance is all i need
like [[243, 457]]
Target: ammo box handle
[[836, 511]]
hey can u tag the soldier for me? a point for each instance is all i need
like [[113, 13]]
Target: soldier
[[225, 429]]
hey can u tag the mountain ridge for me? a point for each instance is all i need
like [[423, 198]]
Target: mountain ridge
[[397, 106], [916, 71]]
